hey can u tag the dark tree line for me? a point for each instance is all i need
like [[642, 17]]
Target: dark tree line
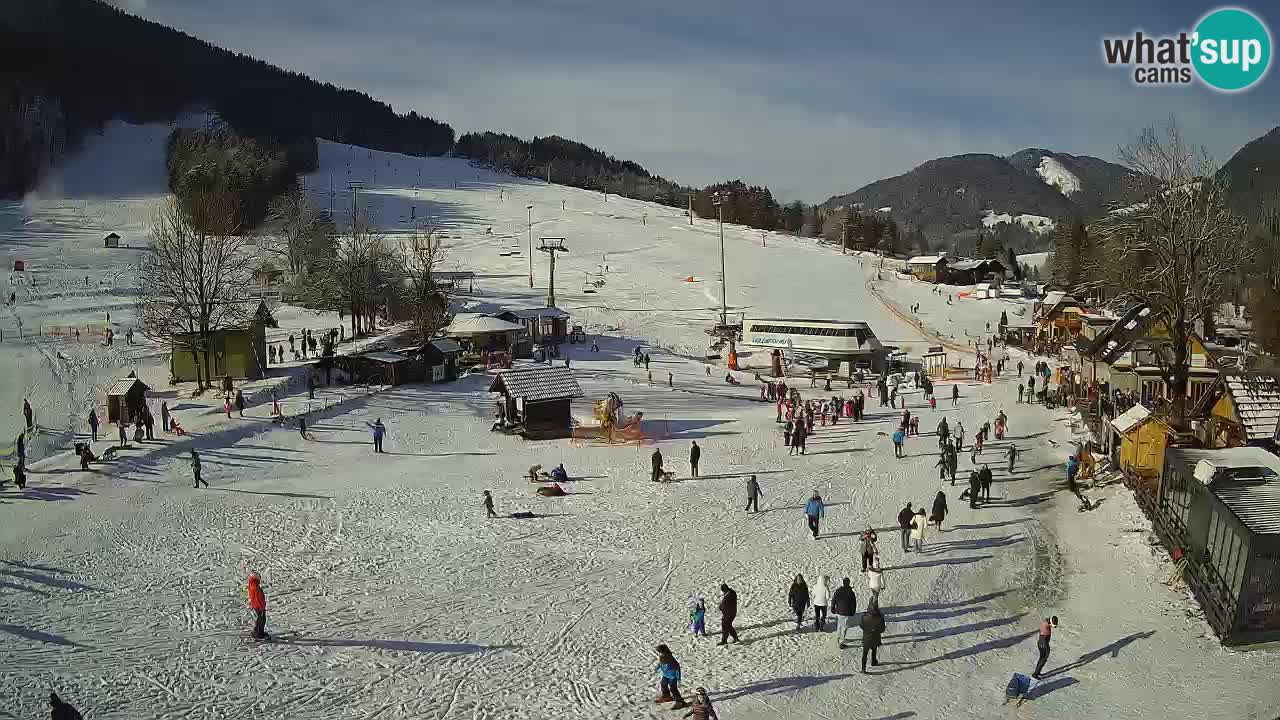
[[72, 66]]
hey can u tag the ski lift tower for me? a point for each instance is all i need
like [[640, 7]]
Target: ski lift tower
[[724, 330], [551, 246], [354, 186]]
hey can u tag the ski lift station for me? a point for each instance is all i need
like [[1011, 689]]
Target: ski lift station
[[835, 341]]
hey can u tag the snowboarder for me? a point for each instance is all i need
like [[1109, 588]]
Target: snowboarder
[[798, 599], [239, 402], [695, 453], [753, 494], [702, 708], [28, 414], [656, 460], [814, 511], [1013, 457], [488, 505], [728, 612], [669, 684], [820, 595], [918, 525], [898, 438], [939, 509], [195, 469], [59, 710], [1042, 643], [872, 628], [698, 618], [870, 548], [93, 424], [905, 517], [379, 430], [875, 581], [258, 604], [844, 605]]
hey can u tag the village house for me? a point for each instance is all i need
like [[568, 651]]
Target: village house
[[929, 268]]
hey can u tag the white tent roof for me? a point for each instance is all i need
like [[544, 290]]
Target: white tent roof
[[468, 324], [925, 260], [1130, 418]]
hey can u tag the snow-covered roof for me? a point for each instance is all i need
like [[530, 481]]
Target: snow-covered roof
[[468, 324], [445, 345], [386, 357], [537, 383], [1257, 401], [1131, 418], [975, 264], [123, 385], [926, 259], [1245, 479], [552, 312]]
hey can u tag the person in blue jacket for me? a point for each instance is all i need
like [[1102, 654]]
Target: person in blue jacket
[[559, 474], [814, 510], [379, 430], [898, 438], [669, 684]]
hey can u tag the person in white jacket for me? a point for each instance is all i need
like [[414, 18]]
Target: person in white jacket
[[820, 595], [918, 525], [875, 581]]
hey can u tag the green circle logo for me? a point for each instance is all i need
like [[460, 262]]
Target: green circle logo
[[1231, 49]]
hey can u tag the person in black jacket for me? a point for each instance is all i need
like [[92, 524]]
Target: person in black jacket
[[798, 598], [872, 628], [904, 524], [728, 611], [695, 454], [939, 509], [844, 605], [657, 465], [985, 479], [59, 710], [753, 494]]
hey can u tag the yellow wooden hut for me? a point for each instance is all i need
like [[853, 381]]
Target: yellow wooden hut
[[1143, 440]]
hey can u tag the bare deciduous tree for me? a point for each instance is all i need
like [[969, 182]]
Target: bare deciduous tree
[[1178, 250], [358, 276], [296, 225], [421, 255], [195, 277]]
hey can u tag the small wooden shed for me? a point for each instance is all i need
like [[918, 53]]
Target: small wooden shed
[[126, 400], [440, 357], [1143, 439], [538, 399], [111, 241]]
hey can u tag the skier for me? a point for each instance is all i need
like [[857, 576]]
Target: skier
[[814, 510], [702, 708], [669, 684], [820, 595], [939, 509], [488, 505], [59, 710], [984, 476], [1042, 643], [239, 402], [918, 525], [379, 430], [728, 611], [695, 453], [258, 604], [898, 438], [656, 460], [698, 618], [753, 494], [955, 395], [1013, 457], [904, 523], [195, 469], [28, 414], [844, 605], [798, 599], [870, 548], [872, 628], [93, 424], [875, 581]]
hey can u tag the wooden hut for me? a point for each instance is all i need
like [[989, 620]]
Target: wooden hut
[[111, 241], [1143, 438], [1222, 509], [126, 400], [930, 268], [538, 400], [440, 357], [234, 352], [1240, 409]]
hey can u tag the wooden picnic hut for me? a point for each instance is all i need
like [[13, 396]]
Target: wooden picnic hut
[[126, 400], [538, 400]]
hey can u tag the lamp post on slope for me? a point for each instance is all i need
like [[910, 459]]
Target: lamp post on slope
[[530, 209]]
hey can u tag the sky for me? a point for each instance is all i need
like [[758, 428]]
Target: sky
[[811, 97]]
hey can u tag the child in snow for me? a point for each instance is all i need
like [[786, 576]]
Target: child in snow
[[698, 618], [258, 604], [669, 684], [1017, 689], [702, 709]]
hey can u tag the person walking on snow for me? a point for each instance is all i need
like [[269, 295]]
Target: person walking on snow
[[124, 435], [820, 595], [28, 414], [975, 488], [656, 461], [1013, 457], [1020, 392], [870, 548], [939, 509], [1019, 368], [195, 469], [728, 612], [1042, 643], [872, 628], [844, 605], [93, 424], [918, 525], [898, 438], [698, 618], [875, 581], [955, 395], [226, 400], [258, 604], [984, 476], [59, 710], [814, 510], [379, 430], [798, 599], [695, 454], [905, 518], [239, 402], [669, 678], [753, 495], [164, 416], [488, 505]]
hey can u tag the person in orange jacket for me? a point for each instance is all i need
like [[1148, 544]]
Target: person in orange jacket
[[258, 603]]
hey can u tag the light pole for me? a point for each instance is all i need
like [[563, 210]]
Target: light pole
[[530, 209], [717, 199]]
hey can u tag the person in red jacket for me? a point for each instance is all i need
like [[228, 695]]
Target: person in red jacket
[[258, 603]]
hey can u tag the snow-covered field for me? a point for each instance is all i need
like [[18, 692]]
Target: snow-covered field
[[1035, 223], [393, 596]]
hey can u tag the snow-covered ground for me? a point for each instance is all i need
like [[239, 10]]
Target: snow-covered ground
[[393, 597], [1036, 223]]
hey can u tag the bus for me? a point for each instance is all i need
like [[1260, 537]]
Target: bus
[[835, 340]]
